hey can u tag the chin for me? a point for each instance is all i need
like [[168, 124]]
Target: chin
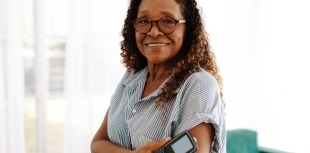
[[156, 61]]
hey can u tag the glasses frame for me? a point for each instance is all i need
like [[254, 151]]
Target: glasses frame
[[158, 27]]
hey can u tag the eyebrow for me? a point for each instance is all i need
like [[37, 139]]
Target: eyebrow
[[146, 12]]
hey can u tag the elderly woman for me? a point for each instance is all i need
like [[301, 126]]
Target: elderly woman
[[171, 83]]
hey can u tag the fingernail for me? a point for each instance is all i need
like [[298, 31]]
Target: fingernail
[[195, 139]]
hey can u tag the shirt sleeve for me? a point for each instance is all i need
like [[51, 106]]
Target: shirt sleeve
[[201, 103]]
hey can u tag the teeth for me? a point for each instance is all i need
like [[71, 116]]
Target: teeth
[[155, 45]]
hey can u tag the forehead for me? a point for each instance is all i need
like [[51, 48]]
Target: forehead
[[157, 8]]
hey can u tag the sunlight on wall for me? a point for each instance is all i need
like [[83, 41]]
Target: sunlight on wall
[[262, 49]]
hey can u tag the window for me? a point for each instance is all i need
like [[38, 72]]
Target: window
[[55, 44]]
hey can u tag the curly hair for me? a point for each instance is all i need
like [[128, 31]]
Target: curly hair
[[194, 54]]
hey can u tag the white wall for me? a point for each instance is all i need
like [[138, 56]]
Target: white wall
[[262, 49]]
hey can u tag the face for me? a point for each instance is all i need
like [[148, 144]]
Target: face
[[157, 47]]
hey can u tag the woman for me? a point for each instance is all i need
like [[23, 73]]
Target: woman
[[172, 83]]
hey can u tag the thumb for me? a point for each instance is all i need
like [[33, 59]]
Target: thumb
[[195, 139], [164, 141], [160, 143]]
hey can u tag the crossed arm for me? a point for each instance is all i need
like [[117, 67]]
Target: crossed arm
[[204, 134]]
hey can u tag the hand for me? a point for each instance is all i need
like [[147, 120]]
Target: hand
[[149, 147]]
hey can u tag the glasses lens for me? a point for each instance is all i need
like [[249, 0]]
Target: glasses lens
[[166, 25], [142, 25]]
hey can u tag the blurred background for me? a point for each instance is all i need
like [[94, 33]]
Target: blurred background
[[60, 63]]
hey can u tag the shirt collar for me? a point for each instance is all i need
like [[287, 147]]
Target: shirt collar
[[139, 77]]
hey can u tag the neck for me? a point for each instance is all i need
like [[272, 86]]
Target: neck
[[157, 73]]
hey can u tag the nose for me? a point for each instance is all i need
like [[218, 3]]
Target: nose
[[154, 31]]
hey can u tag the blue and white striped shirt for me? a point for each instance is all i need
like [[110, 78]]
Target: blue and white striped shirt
[[134, 121]]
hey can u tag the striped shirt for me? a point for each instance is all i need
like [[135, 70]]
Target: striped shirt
[[134, 121]]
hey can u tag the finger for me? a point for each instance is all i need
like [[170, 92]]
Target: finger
[[164, 141], [160, 143], [195, 139]]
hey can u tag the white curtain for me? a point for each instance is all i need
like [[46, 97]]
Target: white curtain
[[92, 68], [11, 78]]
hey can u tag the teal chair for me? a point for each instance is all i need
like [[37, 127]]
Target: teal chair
[[245, 141]]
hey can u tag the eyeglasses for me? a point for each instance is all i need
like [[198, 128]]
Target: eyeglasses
[[165, 25]]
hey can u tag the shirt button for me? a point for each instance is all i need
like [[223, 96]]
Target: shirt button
[[134, 111]]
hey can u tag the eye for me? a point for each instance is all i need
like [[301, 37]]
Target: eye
[[143, 21], [167, 21]]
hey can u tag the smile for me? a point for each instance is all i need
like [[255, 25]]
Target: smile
[[156, 44]]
